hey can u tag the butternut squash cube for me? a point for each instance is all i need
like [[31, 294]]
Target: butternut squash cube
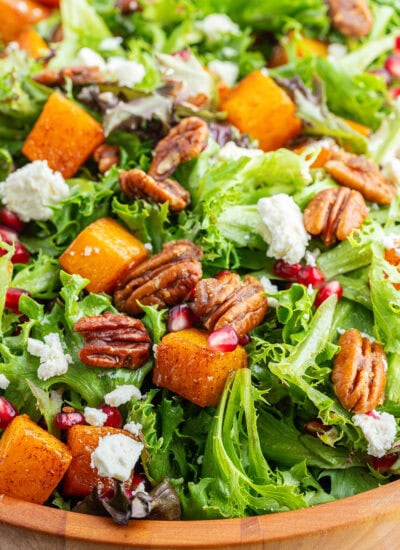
[[32, 461], [102, 252], [64, 135], [80, 477], [185, 365], [259, 107], [16, 15], [30, 41]]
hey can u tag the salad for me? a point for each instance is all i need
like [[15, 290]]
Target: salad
[[200, 250]]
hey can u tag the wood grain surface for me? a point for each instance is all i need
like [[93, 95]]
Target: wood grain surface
[[362, 521]]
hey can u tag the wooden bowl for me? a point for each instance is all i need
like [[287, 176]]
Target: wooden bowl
[[361, 521]]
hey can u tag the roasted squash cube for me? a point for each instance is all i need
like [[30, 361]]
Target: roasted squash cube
[[64, 135], [16, 15], [30, 41], [32, 461], [102, 252], [261, 108], [81, 477], [185, 365]]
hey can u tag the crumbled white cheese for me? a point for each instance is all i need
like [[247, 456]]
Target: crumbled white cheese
[[226, 70], [119, 69], [30, 191], [112, 43], [311, 257], [133, 427], [229, 52], [53, 360], [122, 394], [89, 58], [268, 286], [125, 72], [391, 170], [115, 456], [148, 246], [283, 228], [310, 290], [231, 151], [214, 26], [94, 417], [379, 430], [392, 241], [337, 50], [4, 382]]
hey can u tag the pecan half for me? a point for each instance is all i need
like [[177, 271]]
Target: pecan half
[[106, 156], [80, 76], [359, 372], [228, 300], [361, 174], [113, 340], [334, 214], [184, 142], [165, 279], [351, 17], [137, 184]]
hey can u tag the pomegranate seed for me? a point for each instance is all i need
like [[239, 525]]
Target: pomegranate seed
[[223, 339], [395, 92], [397, 44], [11, 220], [222, 273], [310, 275], [384, 463], [180, 317], [244, 340], [8, 235], [7, 412], [285, 270], [114, 418], [137, 480], [183, 54], [315, 427], [65, 420], [373, 414], [383, 74], [333, 287], [392, 65], [21, 254], [12, 298]]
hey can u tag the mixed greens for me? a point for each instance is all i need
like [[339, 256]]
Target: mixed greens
[[279, 439]]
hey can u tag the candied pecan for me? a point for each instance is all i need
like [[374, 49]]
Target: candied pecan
[[113, 340], [137, 184], [80, 76], [334, 214], [106, 156], [184, 142], [351, 17], [359, 372], [361, 174], [165, 279], [228, 300]]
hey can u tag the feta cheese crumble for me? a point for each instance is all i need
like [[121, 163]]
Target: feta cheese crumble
[[214, 26], [282, 228], [231, 151], [119, 69], [115, 456], [112, 43], [379, 430], [30, 191], [4, 382], [226, 70], [53, 360], [94, 417], [122, 394], [133, 427]]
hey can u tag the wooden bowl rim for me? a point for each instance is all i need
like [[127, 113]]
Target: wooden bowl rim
[[376, 505]]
